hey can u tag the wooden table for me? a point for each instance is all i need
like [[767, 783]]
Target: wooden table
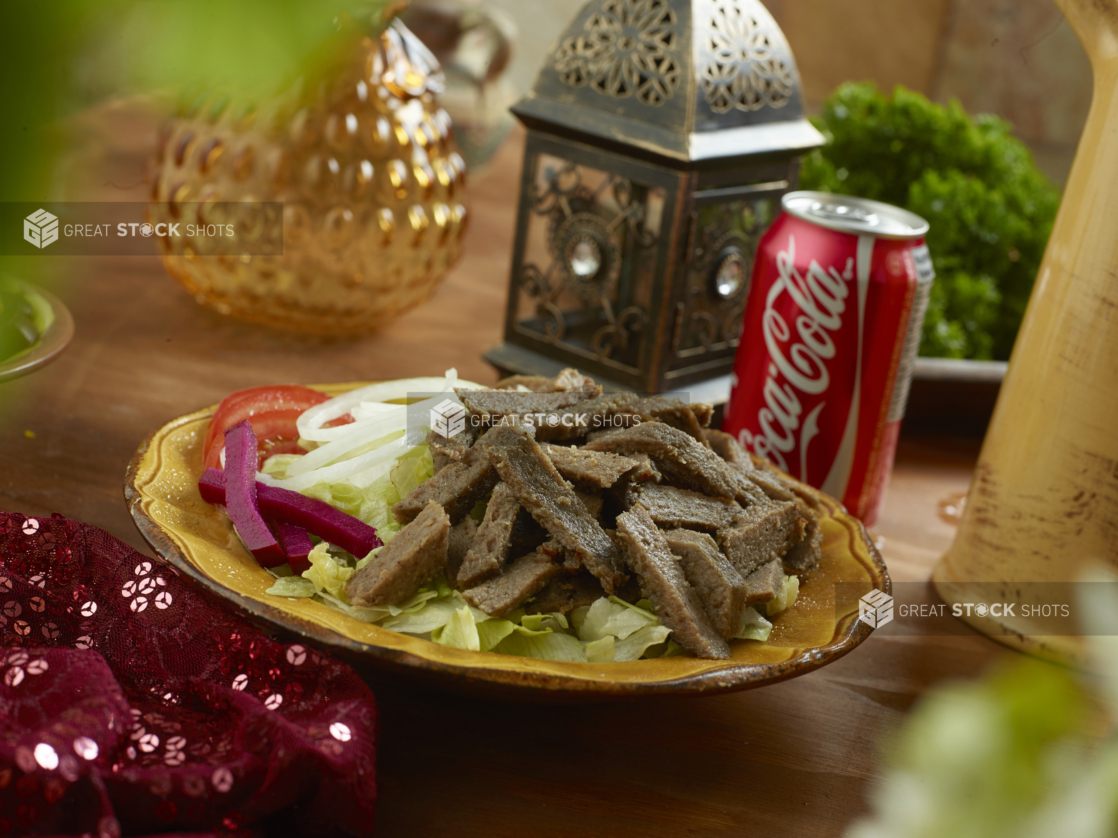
[[797, 758]]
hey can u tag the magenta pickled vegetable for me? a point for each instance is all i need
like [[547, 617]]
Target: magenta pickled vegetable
[[241, 496], [211, 486], [314, 516], [296, 546]]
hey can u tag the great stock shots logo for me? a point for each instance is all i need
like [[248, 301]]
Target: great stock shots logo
[[130, 228], [875, 609], [40, 228], [448, 418]]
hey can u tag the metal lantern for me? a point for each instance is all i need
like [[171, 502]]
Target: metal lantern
[[661, 135]]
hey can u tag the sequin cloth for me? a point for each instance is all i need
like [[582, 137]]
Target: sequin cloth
[[133, 704]]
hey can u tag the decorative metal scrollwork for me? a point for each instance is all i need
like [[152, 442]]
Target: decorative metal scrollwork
[[616, 334], [627, 49], [742, 72], [593, 222], [561, 185], [705, 327], [719, 276]]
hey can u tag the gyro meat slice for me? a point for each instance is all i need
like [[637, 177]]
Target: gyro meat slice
[[571, 379], [674, 412], [458, 544], [457, 488], [494, 407], [729, 449], [764, 583], [446, 451], [748, 492], [585, 418], [773, 487], [704, 413], [490, 547], [527, 535], [406, 563], [684, 461], [565, 593], [804, 555], [518, 581], [590, 468], [645, 470], [566, 380], [672, 507], [675, 602], [720, 587], [535, 383], [626, 491], [541, 490], [760, 534], [592, 501]]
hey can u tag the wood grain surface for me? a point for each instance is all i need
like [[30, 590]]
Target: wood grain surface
[[796, 758]]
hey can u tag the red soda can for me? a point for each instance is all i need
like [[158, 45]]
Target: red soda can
[[830, 334]]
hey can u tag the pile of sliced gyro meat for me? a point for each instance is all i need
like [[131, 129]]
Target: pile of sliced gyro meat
[[589, 494]]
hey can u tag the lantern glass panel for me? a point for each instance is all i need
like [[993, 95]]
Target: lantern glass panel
[[719, 272], [589, 259]]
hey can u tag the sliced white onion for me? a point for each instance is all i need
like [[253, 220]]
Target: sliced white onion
[[360, 433], [385, 455], [268, 480], [311, 421], [372, 410], [373, 420]]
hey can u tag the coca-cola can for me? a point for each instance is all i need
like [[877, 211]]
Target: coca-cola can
[[830, 334]]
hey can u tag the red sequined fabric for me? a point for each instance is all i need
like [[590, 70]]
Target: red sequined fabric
[[132, 704]]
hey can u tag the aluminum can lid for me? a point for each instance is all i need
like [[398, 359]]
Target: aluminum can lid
[[859, 216]]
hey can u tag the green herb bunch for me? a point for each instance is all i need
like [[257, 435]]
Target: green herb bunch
[[989, 207]]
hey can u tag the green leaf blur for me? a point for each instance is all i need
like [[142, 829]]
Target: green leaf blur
[[60, 56], [990, 209]]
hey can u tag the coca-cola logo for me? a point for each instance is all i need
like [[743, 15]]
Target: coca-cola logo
[[798, 362]]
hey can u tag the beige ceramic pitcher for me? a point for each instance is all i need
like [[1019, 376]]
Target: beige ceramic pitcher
[[1043, 502]]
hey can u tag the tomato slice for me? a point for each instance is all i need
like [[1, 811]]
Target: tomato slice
[[272, 411]]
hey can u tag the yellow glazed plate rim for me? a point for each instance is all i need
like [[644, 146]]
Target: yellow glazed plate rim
[[196, 538]]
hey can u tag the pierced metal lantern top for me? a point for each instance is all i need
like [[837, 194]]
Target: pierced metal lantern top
[[690, 80]]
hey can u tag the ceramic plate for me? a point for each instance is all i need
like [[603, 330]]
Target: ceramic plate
[[198, 539], [54, 322]]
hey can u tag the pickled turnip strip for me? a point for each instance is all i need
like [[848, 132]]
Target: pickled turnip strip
[[296, 546], [241, 498], [314, 516]]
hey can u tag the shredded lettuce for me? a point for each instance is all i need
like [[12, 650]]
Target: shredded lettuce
[[540, 622], [327, 573], [412, 469], [376, 613], [753, 626], [492, 632], [784, 599], [459, 631], [613, 616], [295, 586], [548, 645], [601, 651], [276, 465], [434, 614]]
